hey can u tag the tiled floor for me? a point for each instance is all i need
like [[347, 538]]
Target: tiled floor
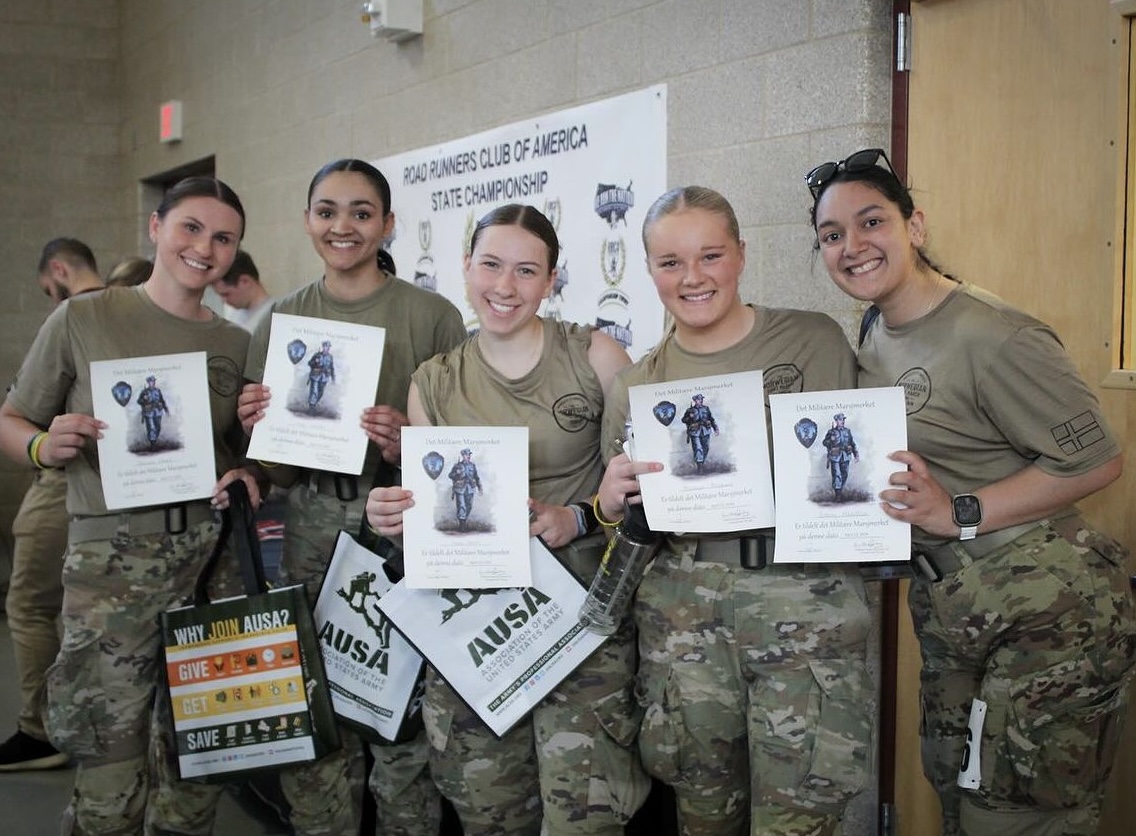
[[31, 802]]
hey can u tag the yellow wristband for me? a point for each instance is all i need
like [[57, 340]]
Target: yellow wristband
[[33, 449], [267, 465], [599, 516]]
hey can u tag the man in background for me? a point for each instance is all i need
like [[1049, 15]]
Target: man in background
[[244, 296], [39, 531]]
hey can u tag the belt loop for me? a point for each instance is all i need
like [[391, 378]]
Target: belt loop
[[753, 552], [346, 488], [925, 565], [176, 511]]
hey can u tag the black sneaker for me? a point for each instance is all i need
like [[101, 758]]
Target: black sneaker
[[22, 751]]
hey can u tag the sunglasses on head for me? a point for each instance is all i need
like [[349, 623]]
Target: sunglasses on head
[[820, 176]]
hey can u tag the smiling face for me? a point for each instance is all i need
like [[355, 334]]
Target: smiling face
[[195, 243], [347, 222], [868, 247], [696, 264], [507, 277]]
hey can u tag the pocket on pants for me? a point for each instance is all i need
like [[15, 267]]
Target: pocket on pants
[[811, 732], [76, 701], [437, 720], [1058, 756], [619, 782], [693, 728]]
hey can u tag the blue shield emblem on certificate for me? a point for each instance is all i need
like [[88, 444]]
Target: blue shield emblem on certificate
[[296, 351], [432, 463], [806, 432], [121, 392], [664, 412]]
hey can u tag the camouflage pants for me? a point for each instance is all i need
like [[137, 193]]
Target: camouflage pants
[[569, 768], [35, 591], [325, 795], [760, 709], [101, 689], [1042, 630]]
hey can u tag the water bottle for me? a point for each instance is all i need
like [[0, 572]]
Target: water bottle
[[624, 563]]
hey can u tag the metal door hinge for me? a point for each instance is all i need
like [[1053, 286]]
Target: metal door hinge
[[903, 42]]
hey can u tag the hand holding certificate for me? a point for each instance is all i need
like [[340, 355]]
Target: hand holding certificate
[[709, 433], [831, 452], [153, 451], [323, 373], [468, 526]]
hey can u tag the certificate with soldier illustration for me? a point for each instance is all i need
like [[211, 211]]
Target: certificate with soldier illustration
[[469, 526], [830, 452], [323, 373], [156, 449], [710, 435]]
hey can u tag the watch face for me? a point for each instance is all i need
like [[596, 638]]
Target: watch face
[[968, 510]]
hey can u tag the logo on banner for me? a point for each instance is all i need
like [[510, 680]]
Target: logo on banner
[[613, 316], [556, 297], [425, 273], [613, 259], [552, 212], [613, 203], [470, 223]]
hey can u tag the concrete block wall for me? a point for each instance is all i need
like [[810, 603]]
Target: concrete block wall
[[59, 163], [759, 91]]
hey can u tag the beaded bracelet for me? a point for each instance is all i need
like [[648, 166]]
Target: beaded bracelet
[[599, 516]]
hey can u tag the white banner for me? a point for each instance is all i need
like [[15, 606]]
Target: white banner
[[593, 170]]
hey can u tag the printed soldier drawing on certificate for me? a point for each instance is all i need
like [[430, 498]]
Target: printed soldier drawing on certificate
[[710, 435], [323, 373], [830, 452], [469, 523], [152, 451]]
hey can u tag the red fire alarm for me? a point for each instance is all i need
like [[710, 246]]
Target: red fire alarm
[[169, 122]]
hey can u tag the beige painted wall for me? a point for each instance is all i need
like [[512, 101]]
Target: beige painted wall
[[59, 164], [759, 90]]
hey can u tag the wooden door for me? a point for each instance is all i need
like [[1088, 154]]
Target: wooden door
[[1015, 138]]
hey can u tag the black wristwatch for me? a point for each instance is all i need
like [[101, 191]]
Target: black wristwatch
[[966, 509]]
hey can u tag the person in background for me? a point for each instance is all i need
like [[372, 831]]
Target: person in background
[[571, 767], [131, 271], [1022, 609], [123, 568], [753, 675], [67, 268], [348, 216], [245, 298]]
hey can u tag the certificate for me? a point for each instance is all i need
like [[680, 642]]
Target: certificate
[[469, 526], [155, 449], [831, 453], [710, 435], [501, 650], [323, 374]]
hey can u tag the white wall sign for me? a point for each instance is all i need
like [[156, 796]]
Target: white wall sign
[[593, 170]]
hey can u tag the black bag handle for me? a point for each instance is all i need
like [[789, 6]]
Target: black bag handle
[[239, 523], [866, 321]]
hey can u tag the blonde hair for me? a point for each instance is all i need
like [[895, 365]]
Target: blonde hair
[[691, 197]]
